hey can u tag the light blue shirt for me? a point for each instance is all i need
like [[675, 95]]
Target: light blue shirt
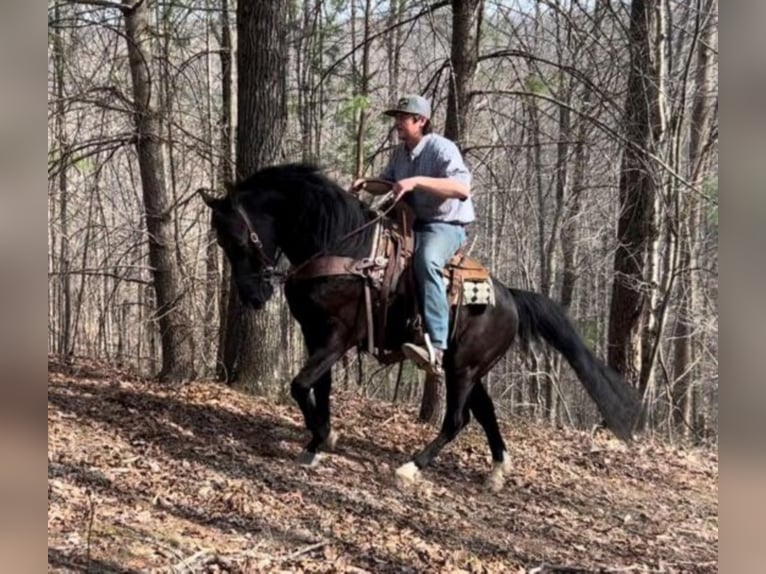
[[434, 156]]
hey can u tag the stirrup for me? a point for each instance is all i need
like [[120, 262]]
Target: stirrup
[[424, 356]]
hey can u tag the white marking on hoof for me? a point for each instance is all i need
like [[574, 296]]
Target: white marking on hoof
[[329, 443], [507, 464], [309, 459], [496, 478], [408, 473]]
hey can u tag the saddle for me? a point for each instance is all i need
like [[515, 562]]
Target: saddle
[[387, 272]]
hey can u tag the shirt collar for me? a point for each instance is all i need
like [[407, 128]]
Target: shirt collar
[[419, 148]]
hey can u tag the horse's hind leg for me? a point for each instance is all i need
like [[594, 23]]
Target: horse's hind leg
[[481, 405], [456, 417]]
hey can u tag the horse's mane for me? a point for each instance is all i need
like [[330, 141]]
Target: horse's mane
[[314, 209]]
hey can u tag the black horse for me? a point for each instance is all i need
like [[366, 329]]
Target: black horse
[[296, 209]]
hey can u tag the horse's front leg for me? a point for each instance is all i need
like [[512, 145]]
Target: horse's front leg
[[327, 436], [316, 374]]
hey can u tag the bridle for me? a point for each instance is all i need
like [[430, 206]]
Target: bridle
[[269, 264], [269, 272]]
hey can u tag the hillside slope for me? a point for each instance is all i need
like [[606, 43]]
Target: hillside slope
[[201, 478]]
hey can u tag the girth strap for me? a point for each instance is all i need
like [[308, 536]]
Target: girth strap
[[336, 265], [329, 265]]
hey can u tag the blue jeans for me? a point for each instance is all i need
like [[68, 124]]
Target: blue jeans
[[435, 244]]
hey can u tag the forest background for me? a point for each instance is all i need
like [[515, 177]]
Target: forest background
[[591, 129]]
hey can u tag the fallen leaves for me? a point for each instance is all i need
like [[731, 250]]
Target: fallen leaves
[[201, 478]]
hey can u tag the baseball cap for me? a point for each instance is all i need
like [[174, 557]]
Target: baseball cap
[[411, 104]]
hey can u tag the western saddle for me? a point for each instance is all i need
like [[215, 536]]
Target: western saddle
[[387, 272]]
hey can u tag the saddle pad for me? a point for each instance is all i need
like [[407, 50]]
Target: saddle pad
[[480, 292]]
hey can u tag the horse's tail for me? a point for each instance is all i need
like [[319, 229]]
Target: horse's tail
[[540, 317]]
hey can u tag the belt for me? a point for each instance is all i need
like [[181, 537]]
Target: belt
[[456, 223]]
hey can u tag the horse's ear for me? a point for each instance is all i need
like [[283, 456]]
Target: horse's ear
[[207, 198]]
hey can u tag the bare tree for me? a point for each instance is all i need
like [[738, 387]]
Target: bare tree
[[262, 114], [638, 182], [466, 22], [464, 53], [64, 291], [699, 136], [228, 331], [175, 330]]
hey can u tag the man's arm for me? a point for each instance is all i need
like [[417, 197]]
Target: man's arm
[[442, 187], [453, 179]]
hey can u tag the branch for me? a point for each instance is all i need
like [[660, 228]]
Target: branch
[[574, 72], [102, 4], [304, 550], [338, 62], [69, 158], [124, 8], [196, 561], [101, 274], [598, 123]]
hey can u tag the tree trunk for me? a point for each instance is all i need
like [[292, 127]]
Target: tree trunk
[[227, 325], [393, 48], [637, 187], [660, 254], [175, 331], [262, 115], [464, 52], [570, 223], [212, 271], [682, 394], [304, 65], [466, 17], [65, 280], [562, 190], [166, 111], [569, 226], [363, 89], [432, 405]]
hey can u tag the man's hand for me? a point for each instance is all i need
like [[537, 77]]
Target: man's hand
[[404, 186], [358, 185]]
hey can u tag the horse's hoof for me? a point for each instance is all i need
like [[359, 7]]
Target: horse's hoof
[[329, 443], [496, 478], [407, 474], [309, 459], [495, 481], [506, 466]]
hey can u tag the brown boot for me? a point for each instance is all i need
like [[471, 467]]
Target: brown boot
[[426, 357]]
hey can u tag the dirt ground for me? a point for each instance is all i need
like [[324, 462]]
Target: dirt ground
[[201, 478]]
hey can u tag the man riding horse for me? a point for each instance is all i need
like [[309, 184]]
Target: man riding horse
[[431, 177], [297, 211]]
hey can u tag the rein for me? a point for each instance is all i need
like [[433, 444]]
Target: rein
[[270, 273], [285, 276]]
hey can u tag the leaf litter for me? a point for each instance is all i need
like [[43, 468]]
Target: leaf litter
[[199, 477]]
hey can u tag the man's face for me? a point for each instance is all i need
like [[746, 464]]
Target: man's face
[[409, 127]]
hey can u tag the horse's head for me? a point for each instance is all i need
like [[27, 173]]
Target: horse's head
[[249, 241]]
